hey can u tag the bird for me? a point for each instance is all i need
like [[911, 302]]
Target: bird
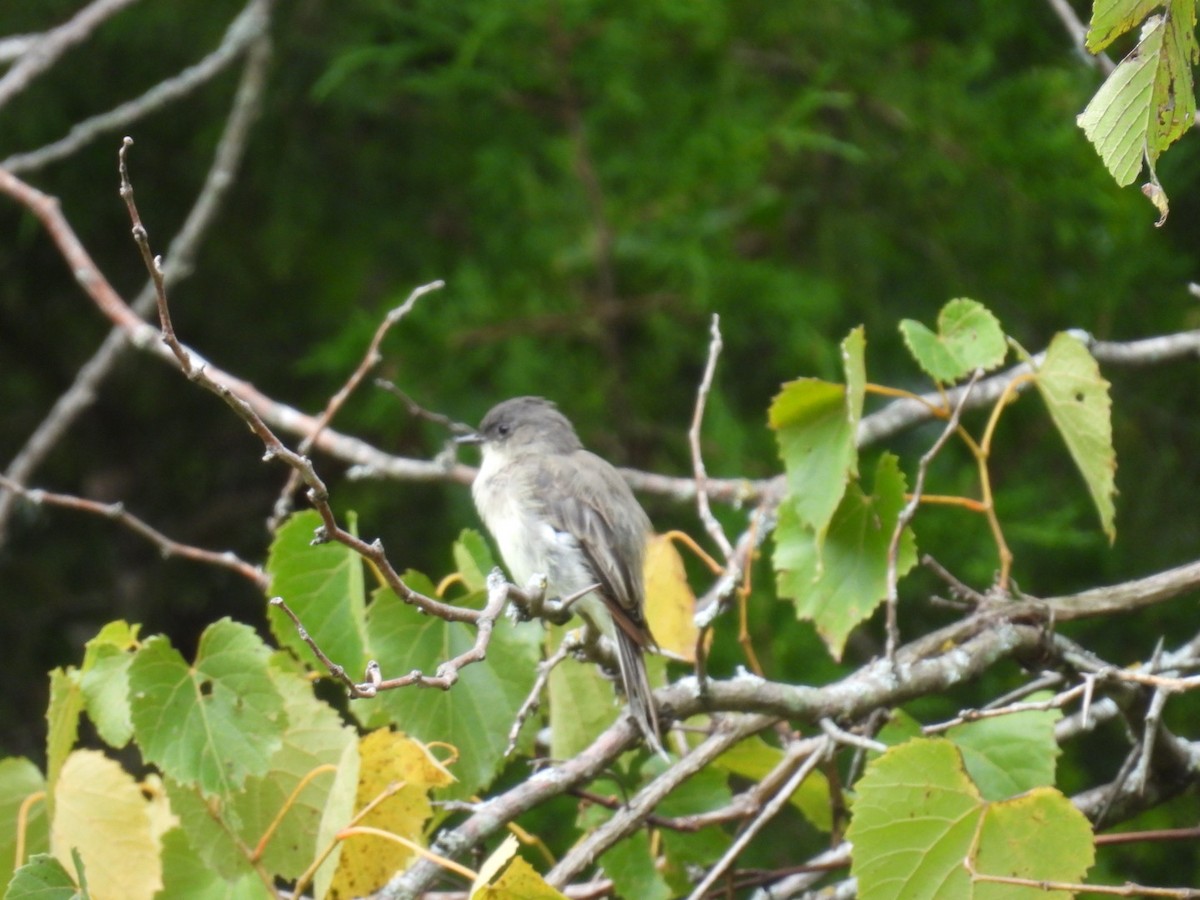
[[559, 510]]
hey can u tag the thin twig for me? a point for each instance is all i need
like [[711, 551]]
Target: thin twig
[[448, 672], [910, 510], [1058, 701], [769, 811], [417, 411], [197, 371], [842, 736], [533, 698], [1078, 33], [168, 547], [181, 254], [283, 506], [1129, 889], [711, 525]]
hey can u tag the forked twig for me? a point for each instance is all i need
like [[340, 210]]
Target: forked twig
[[910, 510]]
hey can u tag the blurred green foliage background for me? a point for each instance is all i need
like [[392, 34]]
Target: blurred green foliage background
[[593, 179]]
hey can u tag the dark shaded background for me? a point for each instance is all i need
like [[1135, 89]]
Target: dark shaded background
[[593, 180]]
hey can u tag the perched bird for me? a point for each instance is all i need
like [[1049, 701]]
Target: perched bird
[[559, 510]]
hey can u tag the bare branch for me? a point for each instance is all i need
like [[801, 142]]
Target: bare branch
[[179, 264], [196, 370], [168, 547], [1078, 33], [769, 811], [910, 510], [46, 48], [249, 26], [729, 731], [711, 525], [372, 358], [16, 45]]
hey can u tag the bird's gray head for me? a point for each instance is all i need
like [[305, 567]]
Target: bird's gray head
[[527, 424]]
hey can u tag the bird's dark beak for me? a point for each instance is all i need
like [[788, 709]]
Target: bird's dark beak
[[473, 438]]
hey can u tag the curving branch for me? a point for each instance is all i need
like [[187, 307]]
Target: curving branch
[[181, 257]]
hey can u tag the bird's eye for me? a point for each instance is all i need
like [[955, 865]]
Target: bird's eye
[[503, 429]]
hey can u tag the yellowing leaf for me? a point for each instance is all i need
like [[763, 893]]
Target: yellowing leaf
[[1148, 102], [100, 811], [1076, 394], [917, 815], [388, 759], [517, 879], [670, 603], [498, 859], [1039, 835]]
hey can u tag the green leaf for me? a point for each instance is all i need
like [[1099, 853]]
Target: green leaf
[[475, 714], [841, 586], [19, 780], [1076, 394], [582, 701], [816, 423], [323, 585], [1148, 101], [474, 559], [914, 820], [43, 878], [62, 720], [917, 816], [211, 724], [187, 877], [686, 852], [900, 727], [969, 337], [1041, 836], [1007, 755], [754, 759], [315, 737], [632, 869], [105, 681], [1112, 18]]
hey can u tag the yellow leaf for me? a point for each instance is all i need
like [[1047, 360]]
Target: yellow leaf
[[517, 882], [670, 603], [493, 864], [100, 811], [390, 760]]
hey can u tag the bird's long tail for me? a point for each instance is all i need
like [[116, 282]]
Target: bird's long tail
[[637, 688]]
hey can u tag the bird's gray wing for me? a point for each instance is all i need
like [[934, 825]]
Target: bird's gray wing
[[578, 492]]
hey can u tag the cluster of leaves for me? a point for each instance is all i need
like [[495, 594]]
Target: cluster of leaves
[[1149, 100], [254, 779], [835, 540]]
